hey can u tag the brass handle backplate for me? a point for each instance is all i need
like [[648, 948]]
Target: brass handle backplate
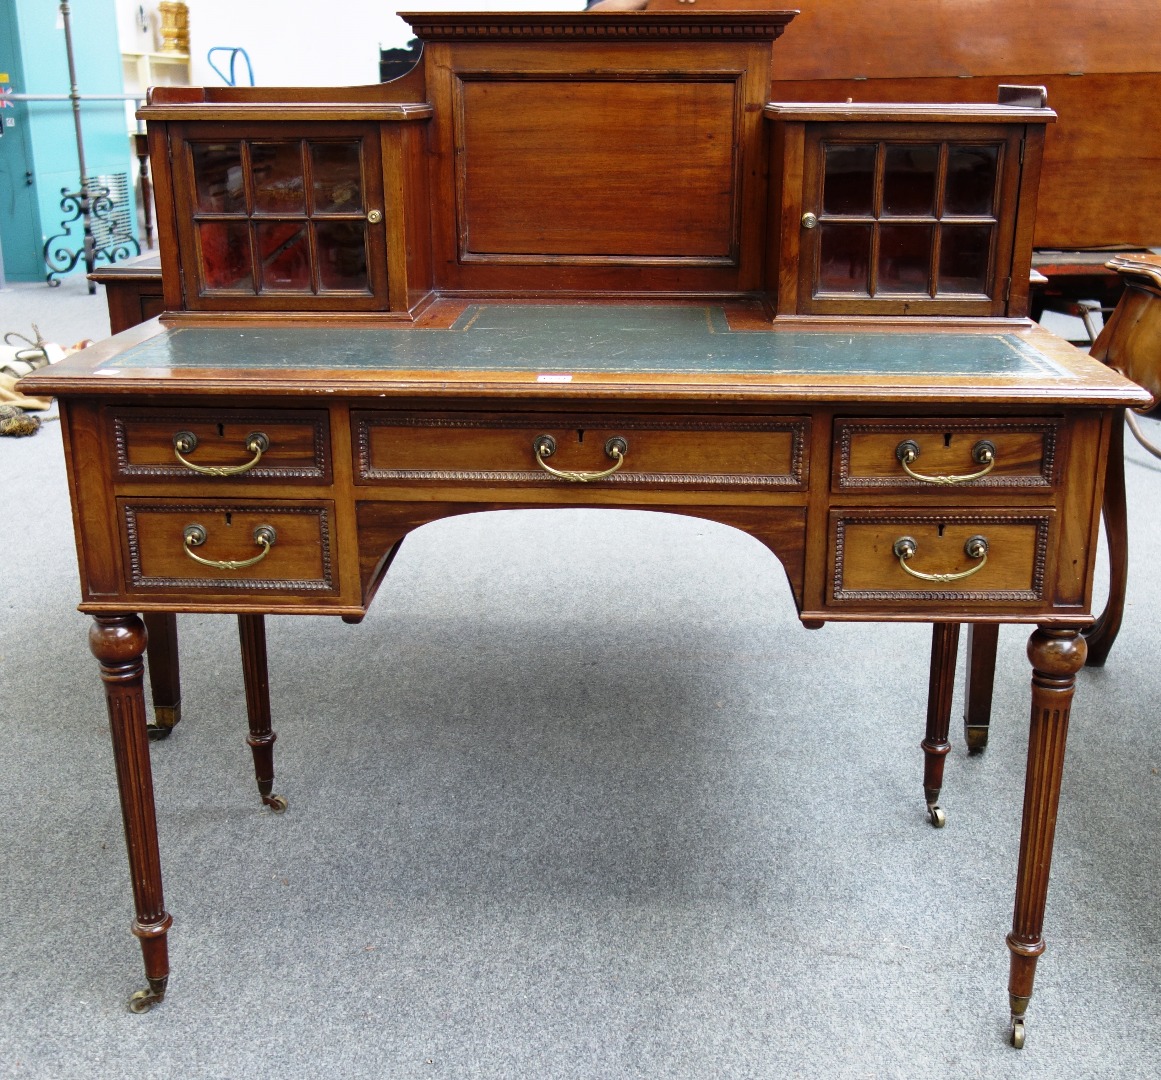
[[975, 548], [185, 442], [983, 453], [544, 446], [194, 536]]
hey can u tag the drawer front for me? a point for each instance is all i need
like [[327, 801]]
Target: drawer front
[[910, 557], [162, 537], [148, 443], [944, 453], [683, 451]]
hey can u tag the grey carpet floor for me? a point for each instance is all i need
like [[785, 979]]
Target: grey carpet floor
[[579, 798]]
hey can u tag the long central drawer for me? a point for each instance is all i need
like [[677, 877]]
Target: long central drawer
[[690, 451]]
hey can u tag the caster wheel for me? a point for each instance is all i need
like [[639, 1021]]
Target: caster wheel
[[142, 1001], [937, 817], [157, 732], [277, 803], [1018, 1034]]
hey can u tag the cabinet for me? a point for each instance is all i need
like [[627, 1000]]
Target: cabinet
[[291, 220], [887, 210], [301, 207]]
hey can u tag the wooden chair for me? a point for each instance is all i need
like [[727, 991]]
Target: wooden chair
[[1131, 344]]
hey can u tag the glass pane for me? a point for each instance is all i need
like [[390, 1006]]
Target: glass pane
[[277, 171], [844, 258], [284, 254], [904, 258], [218, 177], [963, 258], [337, 178], [342, 255], [225, 255], [848, 185], [971, 179], [909, 179]]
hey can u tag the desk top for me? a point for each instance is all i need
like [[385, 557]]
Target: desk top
[[683, 350]]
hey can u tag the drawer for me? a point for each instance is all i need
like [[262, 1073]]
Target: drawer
[[288, 547], [944, 453], [295, 444], [758, 452], [911, 556]]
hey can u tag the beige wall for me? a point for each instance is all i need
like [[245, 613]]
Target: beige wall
[[301, 42]]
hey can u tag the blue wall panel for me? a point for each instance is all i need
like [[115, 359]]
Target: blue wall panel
[[32, 52]]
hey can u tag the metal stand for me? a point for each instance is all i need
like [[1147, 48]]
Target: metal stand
[[88, 202]]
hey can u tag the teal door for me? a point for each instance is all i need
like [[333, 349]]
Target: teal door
[[20, 231]]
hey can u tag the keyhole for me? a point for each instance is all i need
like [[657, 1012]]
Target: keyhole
[[580, 435], [230, 519], [947, 438], [221, 430], [941, 528]]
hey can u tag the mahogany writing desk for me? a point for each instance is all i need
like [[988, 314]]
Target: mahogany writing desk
[[582, 261], [358, 436]]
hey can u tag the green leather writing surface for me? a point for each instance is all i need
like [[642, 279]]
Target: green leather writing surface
[[592, 338]]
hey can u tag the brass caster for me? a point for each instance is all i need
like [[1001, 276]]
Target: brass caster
[[144, 1000], [976, 737], [936, 816], [157, 732], [1018, 1034], [277, 803]]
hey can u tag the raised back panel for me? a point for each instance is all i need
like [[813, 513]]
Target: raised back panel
[[617, 153], [598, 168]]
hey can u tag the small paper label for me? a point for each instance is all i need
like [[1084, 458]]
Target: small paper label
[[107, 371], [554, 378]]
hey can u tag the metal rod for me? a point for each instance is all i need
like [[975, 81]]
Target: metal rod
[[75, 98]]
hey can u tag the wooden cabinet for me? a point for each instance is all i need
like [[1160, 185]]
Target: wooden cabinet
[[286, 221], [882, 210], [300, 208]]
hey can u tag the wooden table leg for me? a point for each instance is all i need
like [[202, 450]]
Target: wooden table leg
[[252, 637], [118, 642], [944, 646], [1056, 655], [981, 675], [164, 672], [1101, 635]]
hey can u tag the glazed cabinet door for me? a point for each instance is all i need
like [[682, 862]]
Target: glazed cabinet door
[[269, 220], [908, 220]]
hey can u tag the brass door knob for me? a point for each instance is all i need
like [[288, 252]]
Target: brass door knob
[[809, 220], [374, 216]]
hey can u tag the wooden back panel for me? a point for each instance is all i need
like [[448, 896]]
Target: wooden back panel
[[619, 154]]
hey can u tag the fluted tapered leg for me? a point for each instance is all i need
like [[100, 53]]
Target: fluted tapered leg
[[1056, 655], [118, 643], [944, 645], [252, 637]]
